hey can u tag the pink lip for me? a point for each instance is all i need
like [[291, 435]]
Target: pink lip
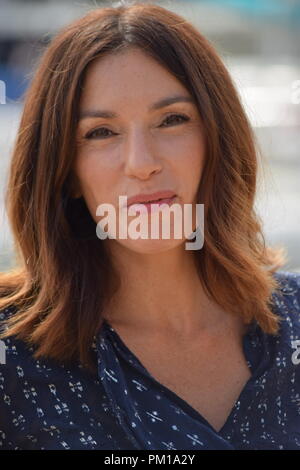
[[153, 197], [154, 206]]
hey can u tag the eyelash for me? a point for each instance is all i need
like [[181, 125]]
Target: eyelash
[[182, 116]]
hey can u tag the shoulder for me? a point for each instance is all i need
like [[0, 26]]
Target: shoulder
[[15, 359], [289, 281], [37, 393], [286, 304], [13, 362], [10, 346], [5, 342], [20, 371], [287, 296], [7, 312]]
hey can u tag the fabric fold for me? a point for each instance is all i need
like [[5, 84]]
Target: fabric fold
[[147, 410]]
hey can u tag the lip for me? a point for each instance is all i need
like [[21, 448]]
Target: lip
[[153, 197]]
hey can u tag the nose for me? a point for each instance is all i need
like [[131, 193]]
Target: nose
[[140, 158]]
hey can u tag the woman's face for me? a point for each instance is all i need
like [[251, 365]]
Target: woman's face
[[141, 148]]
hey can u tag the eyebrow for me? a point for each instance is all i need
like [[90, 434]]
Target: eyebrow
[[159, 104]]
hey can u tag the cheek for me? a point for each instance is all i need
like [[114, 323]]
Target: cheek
[[197, 155], [96, 179], [189, 158], [189, 146], [93, 168]]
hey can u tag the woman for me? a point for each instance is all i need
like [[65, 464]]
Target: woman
[[140, 343]]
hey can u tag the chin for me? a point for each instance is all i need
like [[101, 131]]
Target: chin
[[149, 246]]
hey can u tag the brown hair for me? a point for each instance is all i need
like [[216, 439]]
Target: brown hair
[[59, 296]]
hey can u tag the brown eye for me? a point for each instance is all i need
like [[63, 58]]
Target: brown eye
[[97, 134], [101, 132], [181, 117]]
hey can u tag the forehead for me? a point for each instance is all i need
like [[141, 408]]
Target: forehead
[[126, 76]]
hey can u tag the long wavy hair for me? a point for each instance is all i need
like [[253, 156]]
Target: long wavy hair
[[63, 277]]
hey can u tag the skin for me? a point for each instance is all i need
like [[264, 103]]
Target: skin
[[138, 154]]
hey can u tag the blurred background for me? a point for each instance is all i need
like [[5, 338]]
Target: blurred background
[[259, 42]]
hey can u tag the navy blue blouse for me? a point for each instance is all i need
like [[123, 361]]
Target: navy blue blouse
[[47, 405]]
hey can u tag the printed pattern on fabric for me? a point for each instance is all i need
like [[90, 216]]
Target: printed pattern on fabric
[[47, 405]]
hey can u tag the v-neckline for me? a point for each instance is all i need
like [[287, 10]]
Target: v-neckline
[[252, 330]]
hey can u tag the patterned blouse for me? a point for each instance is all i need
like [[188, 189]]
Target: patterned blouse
[[46, 405]]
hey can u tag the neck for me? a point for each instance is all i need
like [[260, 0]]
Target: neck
[[161, 292]]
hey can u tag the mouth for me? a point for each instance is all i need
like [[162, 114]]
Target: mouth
[[157, 197], [161, 200], [153, 206], [157, 200]]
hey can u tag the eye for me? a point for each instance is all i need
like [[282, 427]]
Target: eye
[[182, 118], [92, 133]]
